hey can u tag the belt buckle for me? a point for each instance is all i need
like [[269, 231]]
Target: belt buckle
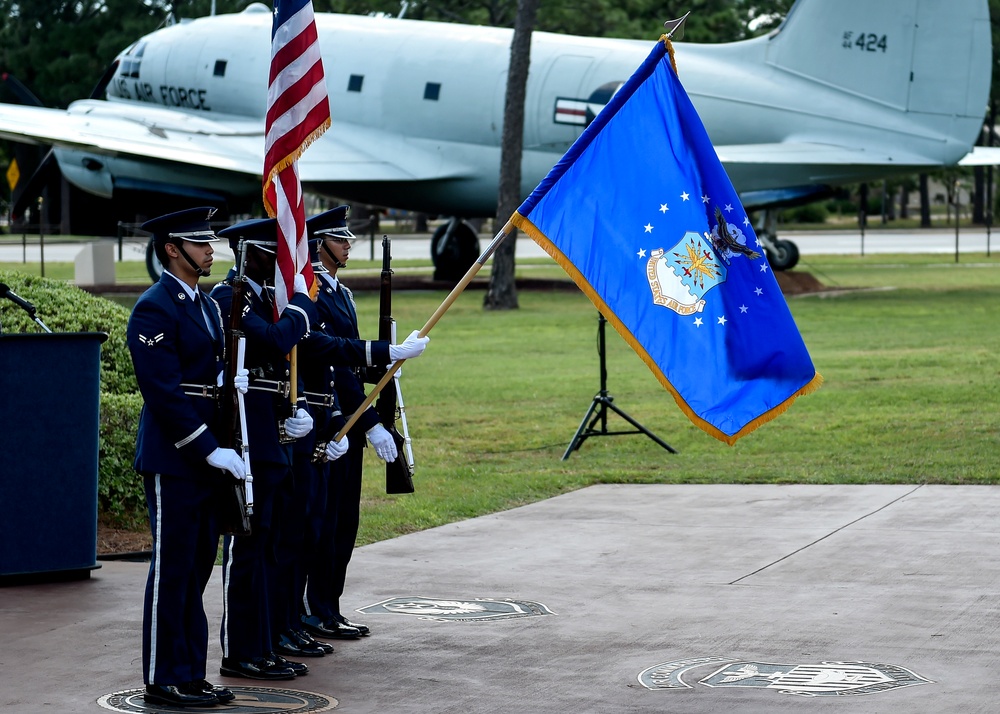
[[285, 389], [204, 391]]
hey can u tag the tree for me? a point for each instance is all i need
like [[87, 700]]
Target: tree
[[502, 293]]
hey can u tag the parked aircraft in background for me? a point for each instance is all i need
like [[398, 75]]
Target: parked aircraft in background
[[843, 91]]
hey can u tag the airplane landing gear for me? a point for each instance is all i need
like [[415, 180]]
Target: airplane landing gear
[[781, 254], [454, 248]]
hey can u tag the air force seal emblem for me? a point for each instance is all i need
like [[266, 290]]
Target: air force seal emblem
[[680, 277]]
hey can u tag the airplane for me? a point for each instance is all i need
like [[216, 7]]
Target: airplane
[[843, 91]]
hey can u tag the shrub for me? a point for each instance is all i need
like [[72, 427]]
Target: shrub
[[120, 496], [65, 308], [809, 213]]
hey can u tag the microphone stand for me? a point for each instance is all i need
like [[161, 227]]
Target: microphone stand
[[6, 292]]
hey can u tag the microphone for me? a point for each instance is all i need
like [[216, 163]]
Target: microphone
[[6, 292]]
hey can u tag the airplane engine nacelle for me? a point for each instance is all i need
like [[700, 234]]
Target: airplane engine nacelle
[[88, 172]]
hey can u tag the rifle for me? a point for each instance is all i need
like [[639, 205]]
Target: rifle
[[398, 473], [236, 497]]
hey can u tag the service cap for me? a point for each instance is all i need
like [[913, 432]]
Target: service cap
[[191, 224], [260, 232], [330, 224]]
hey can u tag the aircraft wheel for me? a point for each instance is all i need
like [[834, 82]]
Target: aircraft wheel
[[784, 255], [153, 265], [454, 253]]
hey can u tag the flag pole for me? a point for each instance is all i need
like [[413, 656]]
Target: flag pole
[[432, 320]]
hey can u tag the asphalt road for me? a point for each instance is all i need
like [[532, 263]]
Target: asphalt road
[[418, 245]]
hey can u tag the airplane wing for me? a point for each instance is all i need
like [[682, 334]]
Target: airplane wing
[[345, 153], [982, 156], [819, 154]]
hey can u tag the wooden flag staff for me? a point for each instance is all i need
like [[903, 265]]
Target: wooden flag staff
[[442, 309]]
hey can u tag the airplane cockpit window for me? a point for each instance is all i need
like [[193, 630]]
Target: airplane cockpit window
[[355, 82], [131, 61], [220, 68], [432, 90]]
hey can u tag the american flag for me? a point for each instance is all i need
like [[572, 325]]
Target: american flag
[[298, 112]]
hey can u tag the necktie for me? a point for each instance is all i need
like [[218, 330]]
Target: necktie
[[209, 323]]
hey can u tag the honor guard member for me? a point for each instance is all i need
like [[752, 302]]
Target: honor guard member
[[338, 532], [320, 354], [175, 336], [248, 565]]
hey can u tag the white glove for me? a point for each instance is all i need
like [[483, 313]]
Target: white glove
[[336, 449], [382, 441], [412, 347], [299, 425], [228, 460], [299, 285], [242, 380]]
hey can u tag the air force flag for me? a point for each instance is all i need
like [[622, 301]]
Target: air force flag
[[642, 215]]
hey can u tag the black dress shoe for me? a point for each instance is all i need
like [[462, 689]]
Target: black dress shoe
[[221, 694], [340, 631], [280, 662], [289, 644], [363, 629], [256, 668], [303, 635], [331, 628], [177, 696]]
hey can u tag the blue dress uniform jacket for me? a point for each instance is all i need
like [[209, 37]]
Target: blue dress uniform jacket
[[267, 346], [338, 316], [172, 345]]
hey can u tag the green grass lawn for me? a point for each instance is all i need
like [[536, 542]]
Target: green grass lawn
[[912, 395]]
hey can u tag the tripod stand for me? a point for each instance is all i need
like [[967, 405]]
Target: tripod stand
[[600, 405]]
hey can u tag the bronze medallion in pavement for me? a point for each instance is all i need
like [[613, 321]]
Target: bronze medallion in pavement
[[479, 609], [249, 700], [825, 679]]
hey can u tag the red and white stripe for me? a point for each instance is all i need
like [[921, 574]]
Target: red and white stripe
[[298, 112]]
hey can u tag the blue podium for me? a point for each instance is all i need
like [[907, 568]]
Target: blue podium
[[49, 422]]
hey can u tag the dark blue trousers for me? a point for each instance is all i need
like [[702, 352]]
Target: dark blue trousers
[[248, 570], [301, 497], [185, 545], [339, 531]]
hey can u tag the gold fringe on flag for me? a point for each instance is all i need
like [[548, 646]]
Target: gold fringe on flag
[[288, 161]]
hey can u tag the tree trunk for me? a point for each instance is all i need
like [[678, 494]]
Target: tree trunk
[[925, 203], [502, 293]]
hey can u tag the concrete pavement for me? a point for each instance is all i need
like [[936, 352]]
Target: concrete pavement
[[644, 598]]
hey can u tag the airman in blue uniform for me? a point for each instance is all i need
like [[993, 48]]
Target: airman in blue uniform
[[257, 569], [321, 356], [338, 527], [175, 338]]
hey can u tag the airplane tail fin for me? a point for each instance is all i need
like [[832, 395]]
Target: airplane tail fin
[[926, 58]]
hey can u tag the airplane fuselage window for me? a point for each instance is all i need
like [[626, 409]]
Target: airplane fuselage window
[[432, 90], [220, 68], [355, 82]]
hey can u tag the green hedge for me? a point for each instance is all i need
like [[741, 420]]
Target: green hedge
[[65, 308]]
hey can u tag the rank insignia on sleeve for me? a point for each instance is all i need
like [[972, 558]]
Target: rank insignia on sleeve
[[150, 341]]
